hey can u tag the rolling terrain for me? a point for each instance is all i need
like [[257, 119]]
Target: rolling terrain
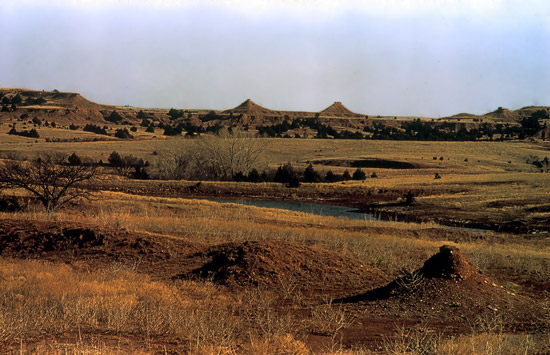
[[456, 261]]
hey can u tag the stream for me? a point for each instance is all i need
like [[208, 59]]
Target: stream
[[323, 210]]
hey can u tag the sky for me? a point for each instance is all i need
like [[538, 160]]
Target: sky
[[378, 57]]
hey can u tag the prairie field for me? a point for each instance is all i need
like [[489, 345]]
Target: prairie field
[[163, 267]]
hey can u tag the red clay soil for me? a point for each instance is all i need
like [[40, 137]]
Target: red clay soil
[[270, 263], [160, 256], [446, 293], [235, 265]]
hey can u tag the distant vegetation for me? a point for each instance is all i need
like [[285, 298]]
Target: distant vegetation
[[33, 133]]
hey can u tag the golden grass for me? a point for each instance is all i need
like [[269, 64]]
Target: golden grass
[[391, 246], [40, 300]]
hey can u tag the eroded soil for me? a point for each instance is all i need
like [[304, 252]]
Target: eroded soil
[[447, 293]]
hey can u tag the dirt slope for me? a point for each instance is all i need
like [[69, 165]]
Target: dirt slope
[[447, 289], [161, 256], [268, 263]]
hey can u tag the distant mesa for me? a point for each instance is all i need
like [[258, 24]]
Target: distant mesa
[[249, 108], [337, 109]]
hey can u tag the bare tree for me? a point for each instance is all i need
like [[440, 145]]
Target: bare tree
[[49, 178], [224, 155]]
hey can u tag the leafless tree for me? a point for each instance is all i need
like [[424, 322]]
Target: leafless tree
[[224, 155], [49, 178]]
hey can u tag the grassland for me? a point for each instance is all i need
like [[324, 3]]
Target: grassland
[[125, 299]]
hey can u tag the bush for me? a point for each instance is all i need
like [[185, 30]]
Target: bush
[[346, 175], [285, 174], [254, 176], [95, 129], [73, 127], [310, 175], [410, 198], [123, 133], [33, 133], [294, 182], [150, 129], [239, 177], [359, 174], [114, 117], [125, 164], [331, 177], [175, 113], [172, 131], [74, 159]]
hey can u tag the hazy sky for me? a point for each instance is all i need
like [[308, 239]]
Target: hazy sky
[[394, 57]]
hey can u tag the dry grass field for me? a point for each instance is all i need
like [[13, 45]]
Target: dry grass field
[[153, 267]]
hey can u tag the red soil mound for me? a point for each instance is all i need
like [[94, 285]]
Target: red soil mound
[[268, 263], [162, 257], [449, 288]]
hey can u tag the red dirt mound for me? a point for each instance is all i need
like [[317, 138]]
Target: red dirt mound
[[447, 288], [161, 256], [268, 263]]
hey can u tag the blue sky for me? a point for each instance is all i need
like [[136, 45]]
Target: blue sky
[[393, 57]]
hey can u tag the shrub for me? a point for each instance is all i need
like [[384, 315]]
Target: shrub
[[123, 133], [175, 113], [74, 159], [114, 117], [150, 129], [239, 177], [285, 173], [95, 129], [125, 164], [346, 175], [331, 177], [410, 198], [172, 131], [310, 175], [294, 182], [359, 174], [33, 133], [254, 176]]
